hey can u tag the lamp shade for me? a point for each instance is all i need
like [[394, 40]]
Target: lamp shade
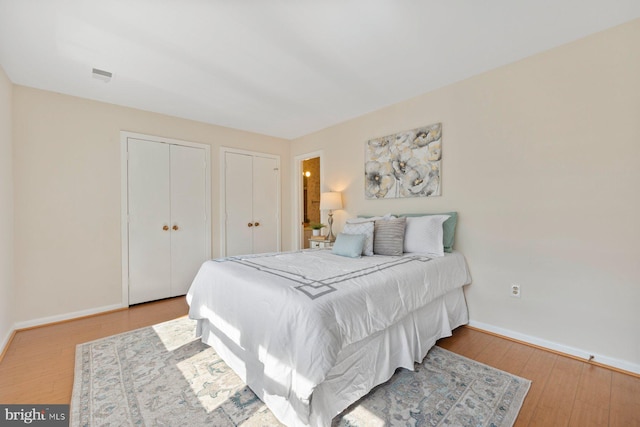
[[331, 200]]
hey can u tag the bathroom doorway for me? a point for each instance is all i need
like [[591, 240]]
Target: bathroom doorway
[[308, 184], [310, 197]]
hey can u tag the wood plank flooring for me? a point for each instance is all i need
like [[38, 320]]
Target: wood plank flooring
[[38, 365], [38, 368], [564, 391]]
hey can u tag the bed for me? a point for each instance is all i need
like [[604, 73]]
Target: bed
[[310, 332]]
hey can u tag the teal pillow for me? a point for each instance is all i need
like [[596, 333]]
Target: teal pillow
[[448, 228], [349, 245]]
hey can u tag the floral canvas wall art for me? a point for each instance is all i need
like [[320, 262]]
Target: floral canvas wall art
[[406, 164]]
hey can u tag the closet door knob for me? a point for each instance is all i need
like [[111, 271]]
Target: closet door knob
[[257, 224], [175, 227], [250, 224], [165, 227]]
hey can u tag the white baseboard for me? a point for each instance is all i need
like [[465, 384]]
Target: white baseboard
[[67, 316], [582, 354], [5, 341]]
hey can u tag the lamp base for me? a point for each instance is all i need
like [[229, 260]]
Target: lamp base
[[330, 236]]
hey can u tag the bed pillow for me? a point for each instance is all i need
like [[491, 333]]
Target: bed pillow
[[361, 219], [365, 228], [449, 228], [424, 235], [388, 236], [349, 245]]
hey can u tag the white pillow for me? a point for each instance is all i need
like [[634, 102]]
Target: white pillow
[[423, 234], [365, 228], [360, 220]]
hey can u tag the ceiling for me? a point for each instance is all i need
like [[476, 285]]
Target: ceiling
[[284, 68]]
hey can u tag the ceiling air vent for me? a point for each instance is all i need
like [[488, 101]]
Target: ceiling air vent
[[105, 76]]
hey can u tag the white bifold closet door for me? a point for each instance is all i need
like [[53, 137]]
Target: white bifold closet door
[[252, 210], [167, 218]]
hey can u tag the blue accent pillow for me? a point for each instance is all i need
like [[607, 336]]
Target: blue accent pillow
[[349, 245]]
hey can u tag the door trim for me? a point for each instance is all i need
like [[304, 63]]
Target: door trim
[[124, 200], [223, 195]]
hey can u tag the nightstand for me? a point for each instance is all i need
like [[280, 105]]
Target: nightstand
[[318, 244]]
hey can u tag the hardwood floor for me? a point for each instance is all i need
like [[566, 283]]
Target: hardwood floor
[[564, 391], [38, 368], [38, 365]]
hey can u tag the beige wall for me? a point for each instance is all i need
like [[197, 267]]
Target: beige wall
[[6, 211], [67, 195], [540, 159]]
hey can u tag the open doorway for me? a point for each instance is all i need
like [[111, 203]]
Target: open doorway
[[310, 197], [308, 183]]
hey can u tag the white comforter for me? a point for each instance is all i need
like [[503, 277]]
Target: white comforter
[[297, 310]]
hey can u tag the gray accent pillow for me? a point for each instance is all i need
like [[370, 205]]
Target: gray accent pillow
[[388, 236]]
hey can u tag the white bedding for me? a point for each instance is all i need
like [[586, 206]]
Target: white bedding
[[289, 315]]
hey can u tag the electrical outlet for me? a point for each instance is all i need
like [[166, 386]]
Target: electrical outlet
[[515, 290]]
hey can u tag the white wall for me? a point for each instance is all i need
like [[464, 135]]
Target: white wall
[[67, 196], [6, 211], [540, 159]]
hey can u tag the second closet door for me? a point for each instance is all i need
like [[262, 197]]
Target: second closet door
[[251, 204], [265, 205], [238, 204]]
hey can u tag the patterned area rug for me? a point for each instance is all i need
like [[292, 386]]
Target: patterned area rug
[[163, 376]]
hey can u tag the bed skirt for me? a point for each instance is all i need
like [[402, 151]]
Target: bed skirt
[[360, 366]]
